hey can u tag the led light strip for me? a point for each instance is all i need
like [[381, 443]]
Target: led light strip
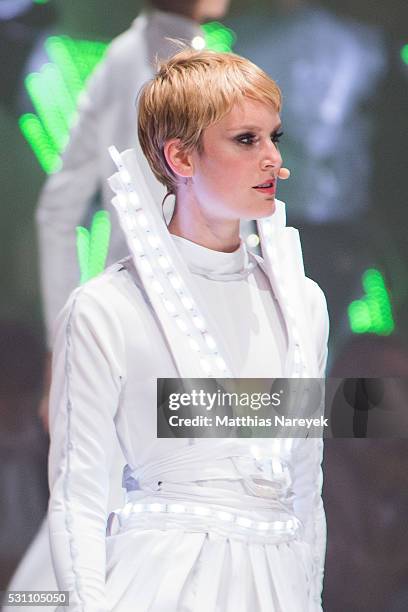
[[158, 271], [225, 517]]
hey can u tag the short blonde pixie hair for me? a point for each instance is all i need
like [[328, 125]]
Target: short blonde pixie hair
[[190, 92]]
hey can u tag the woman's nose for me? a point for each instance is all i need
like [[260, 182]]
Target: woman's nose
[[271, 157]]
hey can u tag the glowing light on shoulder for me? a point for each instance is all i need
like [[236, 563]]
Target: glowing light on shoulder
[[93, 245], [217, 37], [54, 92]]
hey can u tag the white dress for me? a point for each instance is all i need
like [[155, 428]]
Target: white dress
[[191, 538]]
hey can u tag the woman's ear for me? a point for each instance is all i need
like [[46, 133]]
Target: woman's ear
[[178, 159]]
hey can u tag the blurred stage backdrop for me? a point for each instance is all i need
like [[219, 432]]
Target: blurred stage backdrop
[[342, 66]]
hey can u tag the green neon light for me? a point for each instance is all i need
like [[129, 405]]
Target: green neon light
[[218, 37], [54, 94], [404, 54], [41, 90], [373, 313], [93, 245], [39, 139]]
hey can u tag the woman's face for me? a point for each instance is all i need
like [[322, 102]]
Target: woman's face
[[234, 176]]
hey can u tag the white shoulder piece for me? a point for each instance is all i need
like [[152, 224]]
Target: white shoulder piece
[[165, 276], [283, 262]]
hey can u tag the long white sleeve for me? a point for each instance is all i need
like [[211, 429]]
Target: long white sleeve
[[65, 201], [307, 475], [88, 378], [308, 504]]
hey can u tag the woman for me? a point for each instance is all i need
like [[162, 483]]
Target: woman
[[211, 525]]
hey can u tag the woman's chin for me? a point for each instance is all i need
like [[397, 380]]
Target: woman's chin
[[267, 209]]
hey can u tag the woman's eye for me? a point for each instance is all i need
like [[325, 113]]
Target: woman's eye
[[276, 137], [246, 139]]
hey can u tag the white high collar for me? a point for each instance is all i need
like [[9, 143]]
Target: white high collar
[[216, 265]]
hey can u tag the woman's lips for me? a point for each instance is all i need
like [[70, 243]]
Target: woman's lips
[[268, 190]]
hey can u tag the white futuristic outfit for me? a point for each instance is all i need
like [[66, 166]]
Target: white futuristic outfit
[[215, 525]]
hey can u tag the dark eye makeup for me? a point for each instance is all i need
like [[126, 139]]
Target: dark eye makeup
[[276, 136], [250, 138]]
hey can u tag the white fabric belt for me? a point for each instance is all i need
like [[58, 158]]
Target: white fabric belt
[[266, 481], [218, 493]]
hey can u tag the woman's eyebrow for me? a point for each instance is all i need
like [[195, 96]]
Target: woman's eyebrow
[[252, 128]]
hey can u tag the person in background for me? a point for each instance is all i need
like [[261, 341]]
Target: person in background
[[106, 116], [329, 68]]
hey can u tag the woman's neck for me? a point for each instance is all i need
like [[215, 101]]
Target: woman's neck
[[210, 232]]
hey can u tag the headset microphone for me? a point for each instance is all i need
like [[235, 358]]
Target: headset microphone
[[284, 173]]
